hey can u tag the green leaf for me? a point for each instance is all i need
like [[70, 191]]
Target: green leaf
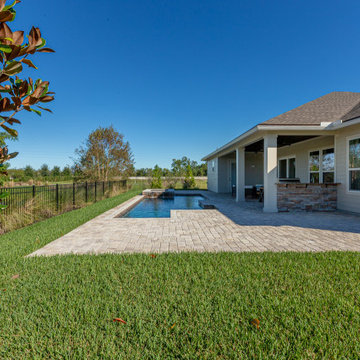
[[9, 39], [42, 44], [10, 131], [36, 111], [5, 48], [3, 195], [2, 207], [8, 7], [13, 68]]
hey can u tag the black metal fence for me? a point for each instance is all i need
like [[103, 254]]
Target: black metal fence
[[58, 197]]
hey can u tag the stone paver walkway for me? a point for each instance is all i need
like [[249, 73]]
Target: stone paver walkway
[[231, 227]]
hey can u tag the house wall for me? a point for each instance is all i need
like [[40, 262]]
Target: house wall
[[224, 175], [301, 152], [254, 168], [349, 201], [212, 175]]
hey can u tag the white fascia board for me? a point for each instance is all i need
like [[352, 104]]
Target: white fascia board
[[341, 124], [291, 127]]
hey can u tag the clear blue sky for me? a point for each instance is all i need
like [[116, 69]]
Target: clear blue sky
[[181, 77]]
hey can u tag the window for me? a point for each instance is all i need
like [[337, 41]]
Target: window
[[213, 165], [287, 168], [354, 164], [322, 166], [328, 166], [314, 167]]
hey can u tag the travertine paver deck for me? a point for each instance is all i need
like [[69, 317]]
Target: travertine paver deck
[[231, 227]]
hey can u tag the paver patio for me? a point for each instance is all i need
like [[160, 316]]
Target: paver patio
[[231, 227]]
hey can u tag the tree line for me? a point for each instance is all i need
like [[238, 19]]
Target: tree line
[[105, 155]]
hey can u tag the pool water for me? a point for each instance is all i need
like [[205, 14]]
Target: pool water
[[160, 208]]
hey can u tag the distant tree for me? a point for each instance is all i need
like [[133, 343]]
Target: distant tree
[[66, 172], [105, 154], [189, 181], [29, 171], [44, 170], [178, 166], [55, 172], [156, 182]]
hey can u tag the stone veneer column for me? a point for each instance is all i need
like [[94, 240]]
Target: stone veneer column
[[270, 173], [240, 174]]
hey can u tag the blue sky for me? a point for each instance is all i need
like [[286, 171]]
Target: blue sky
[[180, 77]]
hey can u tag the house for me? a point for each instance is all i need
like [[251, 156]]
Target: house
[[305, 159]]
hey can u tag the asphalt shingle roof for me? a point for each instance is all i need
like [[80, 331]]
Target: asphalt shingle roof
[[337, 105]]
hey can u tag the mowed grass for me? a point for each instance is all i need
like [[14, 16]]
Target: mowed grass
[[185, 306]]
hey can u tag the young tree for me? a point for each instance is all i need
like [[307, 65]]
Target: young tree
[[105, 154], [55, 172], [29, 171], [189, 181], [66, 171], [156, 182], [44, 170]]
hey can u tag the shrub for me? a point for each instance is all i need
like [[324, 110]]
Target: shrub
[[189, 181]]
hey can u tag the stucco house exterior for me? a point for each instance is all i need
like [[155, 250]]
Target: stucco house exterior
[[305, 159]]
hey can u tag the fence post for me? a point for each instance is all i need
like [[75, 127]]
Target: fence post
[[57, 197], [73, 194], [33, 190], [103, 188], [95, 190], [86, 191]]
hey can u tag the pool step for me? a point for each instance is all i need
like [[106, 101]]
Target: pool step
[[204, 204]]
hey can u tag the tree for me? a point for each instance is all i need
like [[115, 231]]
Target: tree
[[189, 181], [18, 94], [66, 171], [44, 170], [29, 171], [55, 172], [156, 182], [105, 154]]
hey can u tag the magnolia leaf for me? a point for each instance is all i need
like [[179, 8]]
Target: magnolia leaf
[[4, 89], [10, 6], [46, 50], [12, 155], [29, 63], [42, 108], [13, 68], [13, 121], [6, 15], [18, 37], [5, 48], [43, 43], [36, 111], [46, 98], [2, 4], [9, 39], [10, 131]]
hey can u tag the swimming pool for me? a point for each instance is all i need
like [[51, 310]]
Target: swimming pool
[[160, 208]]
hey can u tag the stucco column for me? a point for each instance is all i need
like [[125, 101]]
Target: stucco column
[[270, 173], [240, 174]]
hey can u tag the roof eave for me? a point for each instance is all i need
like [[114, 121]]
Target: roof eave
[[321, 127]]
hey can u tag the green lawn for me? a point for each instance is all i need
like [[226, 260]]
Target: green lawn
[[176, 306]]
